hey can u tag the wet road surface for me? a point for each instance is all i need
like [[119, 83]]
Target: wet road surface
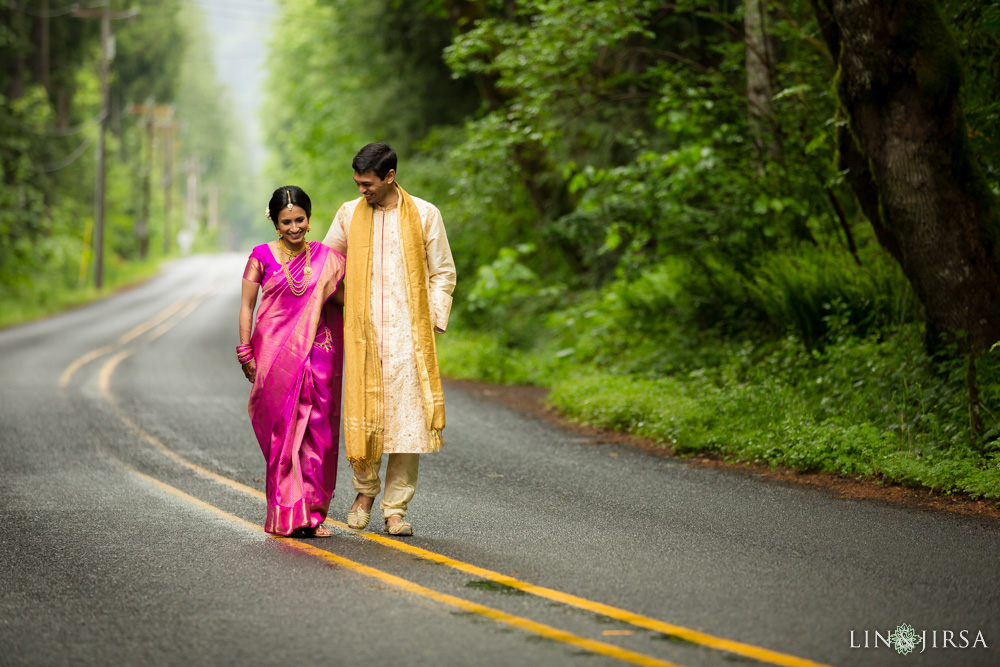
[[131, 511]]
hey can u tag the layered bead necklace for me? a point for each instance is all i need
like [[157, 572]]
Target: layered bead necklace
[[298, 289]]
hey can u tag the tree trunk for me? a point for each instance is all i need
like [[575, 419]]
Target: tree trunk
[[462, 16], [760, 63], [550, 196], [906, 152], [16, 84]]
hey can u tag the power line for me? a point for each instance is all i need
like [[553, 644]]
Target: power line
[[207, 9], [261, 6], [236, 8], [263, 20], [66, 161], [221, 59], [52, 13], [72, 130]]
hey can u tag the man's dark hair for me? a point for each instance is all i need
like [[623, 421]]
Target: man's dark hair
[[378, 157]]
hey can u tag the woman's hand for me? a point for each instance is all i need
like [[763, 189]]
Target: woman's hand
[[247, 303], [250, 370]]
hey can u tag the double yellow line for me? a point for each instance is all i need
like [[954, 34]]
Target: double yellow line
[[185, 307], [404, 584], [182, 306]]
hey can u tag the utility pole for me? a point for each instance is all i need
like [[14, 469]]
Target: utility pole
[[142, 230], [213, 207], [192, 213], [191, 225], [107, 54], [151, 112], [168, 177], [44, 49]]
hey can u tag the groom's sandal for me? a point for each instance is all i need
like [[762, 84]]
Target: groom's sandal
[[401, 529], [357, 518]]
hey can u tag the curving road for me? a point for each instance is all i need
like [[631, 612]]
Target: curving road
[[131, 505]]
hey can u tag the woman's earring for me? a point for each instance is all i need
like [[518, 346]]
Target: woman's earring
[[308, 229], [278, 233]]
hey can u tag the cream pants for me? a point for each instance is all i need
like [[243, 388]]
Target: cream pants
[[400, 483]]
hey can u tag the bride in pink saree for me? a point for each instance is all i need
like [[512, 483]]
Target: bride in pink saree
[[293, 355]]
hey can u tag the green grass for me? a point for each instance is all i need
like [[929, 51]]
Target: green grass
[[465, 355], [47, 295], [869, 407]]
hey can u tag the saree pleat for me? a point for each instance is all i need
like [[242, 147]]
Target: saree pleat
[[295, 401]]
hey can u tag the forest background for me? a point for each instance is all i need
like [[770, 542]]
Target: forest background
[[177, 170], [761, 230]]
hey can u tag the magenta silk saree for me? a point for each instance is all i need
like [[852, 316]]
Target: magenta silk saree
[[295, 400]]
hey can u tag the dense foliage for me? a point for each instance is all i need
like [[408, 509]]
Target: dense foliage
[[50, 108], [623, 204]]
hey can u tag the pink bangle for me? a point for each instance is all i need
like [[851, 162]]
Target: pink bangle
[[244, 353]]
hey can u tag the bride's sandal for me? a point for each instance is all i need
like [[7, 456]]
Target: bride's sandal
[[357, 518], [317, 531], [401, 529]]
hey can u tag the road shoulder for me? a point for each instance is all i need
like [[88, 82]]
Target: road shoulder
[[531, 401]]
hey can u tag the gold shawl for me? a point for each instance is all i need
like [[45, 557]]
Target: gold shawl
[[363, 393]]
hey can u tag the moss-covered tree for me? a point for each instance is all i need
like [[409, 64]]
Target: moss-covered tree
[[905, 147]]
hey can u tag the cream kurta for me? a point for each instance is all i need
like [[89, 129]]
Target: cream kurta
[[405, 422]]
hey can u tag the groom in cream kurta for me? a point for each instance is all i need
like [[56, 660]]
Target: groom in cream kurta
[[405, 433]]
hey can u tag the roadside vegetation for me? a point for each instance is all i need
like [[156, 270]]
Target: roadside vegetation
[[669, 213], [871, 407], [169, 125], [695, 221]]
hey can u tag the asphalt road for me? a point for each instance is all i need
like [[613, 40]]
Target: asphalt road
[[131, 513]]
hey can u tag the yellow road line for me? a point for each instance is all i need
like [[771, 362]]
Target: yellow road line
[[104, 387], [190, 303], [632, 618], [167, 326], [497, 615], [149, 324], [711, 641], [82, 361]]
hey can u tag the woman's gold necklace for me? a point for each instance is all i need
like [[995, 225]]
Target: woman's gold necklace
[[298, 289]]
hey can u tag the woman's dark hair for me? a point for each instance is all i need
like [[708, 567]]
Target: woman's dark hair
[[288, 194], [378, 157]]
